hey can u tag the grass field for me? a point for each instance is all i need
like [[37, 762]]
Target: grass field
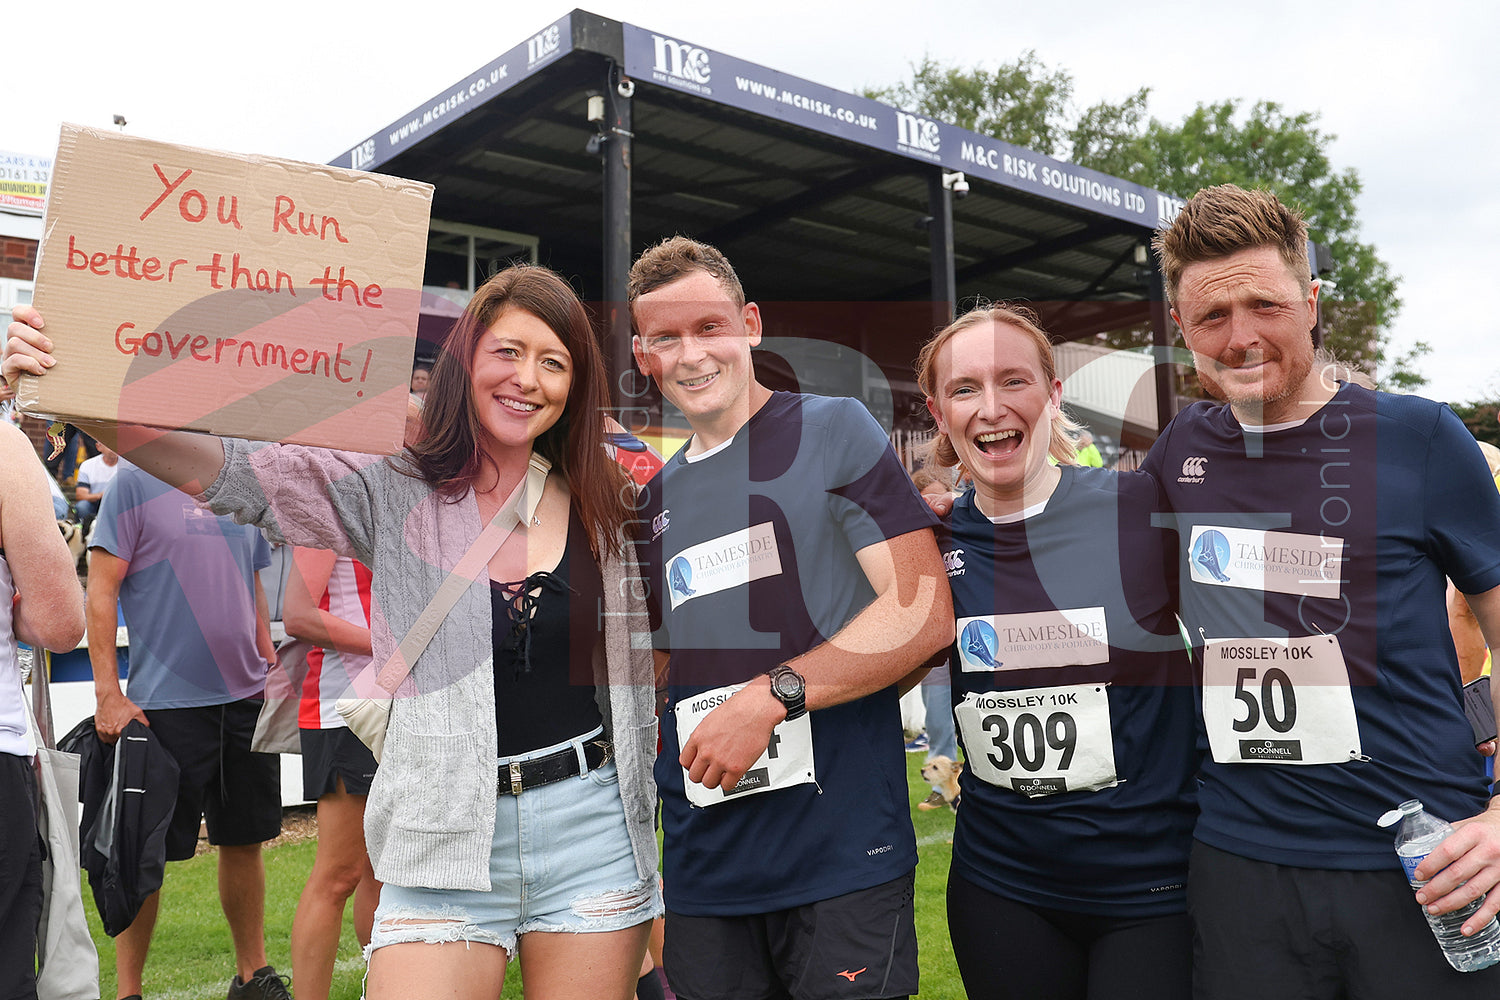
[[192, 958]]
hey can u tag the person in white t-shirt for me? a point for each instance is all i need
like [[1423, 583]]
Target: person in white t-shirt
[[93, 476]]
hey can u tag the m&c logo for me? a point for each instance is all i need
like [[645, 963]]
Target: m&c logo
[[539, 47], [1211, 555], [917, 133], [680, 60], [680, 577], [979, 643], [363, 155], [1193, 469]]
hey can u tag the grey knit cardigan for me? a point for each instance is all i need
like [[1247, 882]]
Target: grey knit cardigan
[[430, 817]]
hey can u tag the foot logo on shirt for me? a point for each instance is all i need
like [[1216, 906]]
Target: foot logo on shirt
[[980, 642], [680, 577], [850, 975], [1211, 554]]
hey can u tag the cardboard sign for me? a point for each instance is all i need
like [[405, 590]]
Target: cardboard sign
[[244, 296]]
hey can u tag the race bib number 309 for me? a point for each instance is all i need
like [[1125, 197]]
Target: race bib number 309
[[1039, 741]]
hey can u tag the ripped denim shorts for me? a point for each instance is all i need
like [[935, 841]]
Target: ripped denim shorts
[[560, 861]]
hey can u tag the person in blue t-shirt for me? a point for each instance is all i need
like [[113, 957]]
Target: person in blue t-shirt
[[188, 585], [1071, 686], [1317, 521], [793, 582]]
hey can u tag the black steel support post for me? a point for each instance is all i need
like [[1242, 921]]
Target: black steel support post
[[1161, 344], [617, 153], [940, 239]]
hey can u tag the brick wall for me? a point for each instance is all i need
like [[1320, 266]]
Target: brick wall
[[17, 258]]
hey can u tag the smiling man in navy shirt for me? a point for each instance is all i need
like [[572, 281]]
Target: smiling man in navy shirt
[[794, 581], [1317, 522]]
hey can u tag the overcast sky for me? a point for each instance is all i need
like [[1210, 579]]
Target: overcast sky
[[1409, 91]]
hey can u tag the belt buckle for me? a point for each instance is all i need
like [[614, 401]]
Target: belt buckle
[[609, 751], [515, 777]]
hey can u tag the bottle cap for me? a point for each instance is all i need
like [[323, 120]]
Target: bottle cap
[[1408, 808]]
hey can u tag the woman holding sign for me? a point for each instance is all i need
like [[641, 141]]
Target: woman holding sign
[[532, 667], [1071, 689]]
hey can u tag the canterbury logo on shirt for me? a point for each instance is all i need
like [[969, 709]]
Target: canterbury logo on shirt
[[1193, 469]]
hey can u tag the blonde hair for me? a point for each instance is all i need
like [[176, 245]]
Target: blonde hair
[[1223, 220], [1491, 457], [1063, 446], [1332, 369]]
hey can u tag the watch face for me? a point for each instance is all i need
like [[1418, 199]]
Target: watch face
[[786, 684]]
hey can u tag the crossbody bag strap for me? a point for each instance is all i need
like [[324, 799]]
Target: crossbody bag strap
[[524, 498]]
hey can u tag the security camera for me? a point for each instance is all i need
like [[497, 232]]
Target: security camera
[[625, 88], [957, 183]]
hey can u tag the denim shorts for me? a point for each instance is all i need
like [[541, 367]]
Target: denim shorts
[[560, 862]]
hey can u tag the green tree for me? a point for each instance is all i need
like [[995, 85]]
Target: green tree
[[1482, 419], [1022, 102], [1027, 103]]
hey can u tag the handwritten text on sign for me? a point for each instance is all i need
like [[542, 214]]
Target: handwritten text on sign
[[213, 279]]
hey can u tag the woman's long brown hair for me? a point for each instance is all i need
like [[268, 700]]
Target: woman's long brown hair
[[449, 457]]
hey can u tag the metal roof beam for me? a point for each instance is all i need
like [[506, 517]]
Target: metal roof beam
[[834, 187], [1026, 255]]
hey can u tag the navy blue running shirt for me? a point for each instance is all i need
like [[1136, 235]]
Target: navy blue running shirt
[[1305, 545], [749, 554], [1073, 601]]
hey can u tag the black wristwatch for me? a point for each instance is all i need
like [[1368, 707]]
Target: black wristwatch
[[790, 689]]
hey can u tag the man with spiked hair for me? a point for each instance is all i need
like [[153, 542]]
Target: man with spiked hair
[[1318, 520]]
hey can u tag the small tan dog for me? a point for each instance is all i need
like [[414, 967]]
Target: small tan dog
[[942, 773], [72, 533]]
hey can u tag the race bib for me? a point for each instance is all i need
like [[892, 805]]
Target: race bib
[[1039, 741], [1063, 638], [787, 761], [1278, 701]]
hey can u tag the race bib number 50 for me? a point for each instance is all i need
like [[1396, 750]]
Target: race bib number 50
[[1278, 701], [1039, 741], [787, 761]]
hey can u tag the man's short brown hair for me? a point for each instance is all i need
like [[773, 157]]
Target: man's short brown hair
[[1223, 220], [677, 257]]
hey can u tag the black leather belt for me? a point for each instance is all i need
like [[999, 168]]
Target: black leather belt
[[518, 775]]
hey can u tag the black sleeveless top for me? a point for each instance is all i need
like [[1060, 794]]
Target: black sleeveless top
[[545, 630]]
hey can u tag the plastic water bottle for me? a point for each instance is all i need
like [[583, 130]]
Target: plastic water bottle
[[1418, 834]]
